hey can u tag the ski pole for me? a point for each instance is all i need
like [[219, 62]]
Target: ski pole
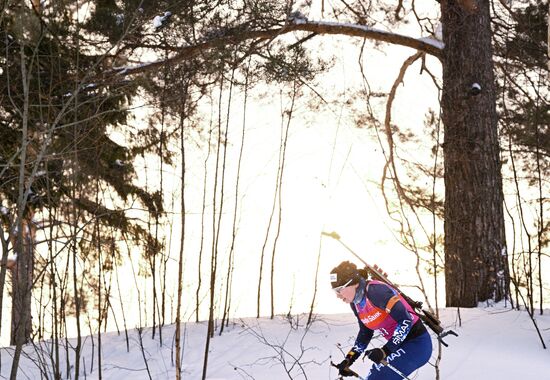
[[386, 364]]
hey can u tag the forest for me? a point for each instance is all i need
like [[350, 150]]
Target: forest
[[165, 162]]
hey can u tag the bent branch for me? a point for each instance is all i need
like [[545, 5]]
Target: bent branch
[[238, 35]]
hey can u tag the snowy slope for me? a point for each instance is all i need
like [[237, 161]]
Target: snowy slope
[[494, 343]]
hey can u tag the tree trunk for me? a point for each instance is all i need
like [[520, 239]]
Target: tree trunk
[[476, 267], [22, 281]]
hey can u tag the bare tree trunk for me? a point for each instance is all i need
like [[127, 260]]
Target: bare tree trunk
[[63, 296], [75, 216], [153, 265], [22, 273], [527, 266], [180, 259], [99, 290], [216, 223], [161, 184], [268, 230], [77, 294], [122, 308], [540, 230], [231, 258], [282, 159], [39, 329], [203, 225], [476, 266], [55, 320]]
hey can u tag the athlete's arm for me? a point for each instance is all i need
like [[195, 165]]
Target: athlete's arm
[[363, 337]]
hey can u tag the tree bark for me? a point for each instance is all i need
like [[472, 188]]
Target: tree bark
[[476, 266], [22, 281]]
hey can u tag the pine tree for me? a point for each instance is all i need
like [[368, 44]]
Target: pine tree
[[57, 111]]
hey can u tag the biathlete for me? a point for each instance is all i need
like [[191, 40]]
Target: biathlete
[[380, 307]]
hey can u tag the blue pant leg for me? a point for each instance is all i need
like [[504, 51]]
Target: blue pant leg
[[410, 356]]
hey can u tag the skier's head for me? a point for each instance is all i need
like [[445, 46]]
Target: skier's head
[[344, 280], [345, 273]]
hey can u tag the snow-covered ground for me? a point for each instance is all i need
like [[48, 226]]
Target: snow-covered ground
[[493, 343]]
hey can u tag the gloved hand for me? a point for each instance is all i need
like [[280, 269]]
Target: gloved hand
[[343, 368], [376, 355]]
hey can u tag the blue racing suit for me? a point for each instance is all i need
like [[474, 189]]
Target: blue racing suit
[[380, 307]]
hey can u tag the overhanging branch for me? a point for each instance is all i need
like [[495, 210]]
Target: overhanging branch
[[426, 45]]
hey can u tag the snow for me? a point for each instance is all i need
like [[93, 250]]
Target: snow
[[439, 32], [494, 343], [297, 17], [432, 41], [354, 26], [428, 40], [158, 21]]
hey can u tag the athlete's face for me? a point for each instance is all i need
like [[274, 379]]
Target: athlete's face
[[347, 294]]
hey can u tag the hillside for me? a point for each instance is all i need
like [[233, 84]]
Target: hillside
[[493, 343]]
